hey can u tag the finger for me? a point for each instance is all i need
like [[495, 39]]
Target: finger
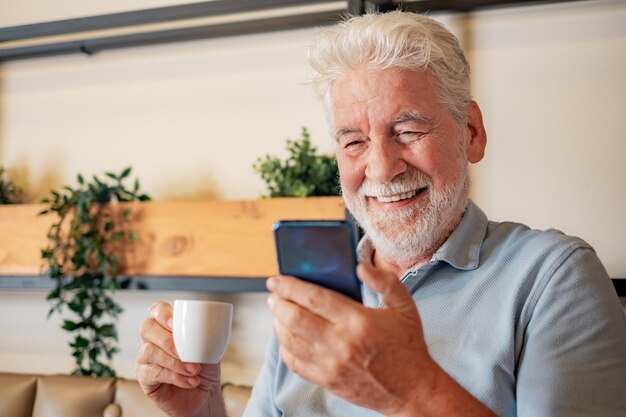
[[297, 319], [151, 377], [210, 376], [326, 303], [150, 354], [151, 331], [162, 312], [306, 370], [393, 293], [297, 345]]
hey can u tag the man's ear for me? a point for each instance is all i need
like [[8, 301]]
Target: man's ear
[[477, 137]]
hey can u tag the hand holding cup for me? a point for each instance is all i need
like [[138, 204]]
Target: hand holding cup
[[179, 389]]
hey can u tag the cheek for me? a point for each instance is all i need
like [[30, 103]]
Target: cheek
[[350, 174], [439, 163]]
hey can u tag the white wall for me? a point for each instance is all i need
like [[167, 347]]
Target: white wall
[[30, 343], [552, 86], [192, 117]]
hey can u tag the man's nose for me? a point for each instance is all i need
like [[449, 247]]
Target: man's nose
[[384, 162]]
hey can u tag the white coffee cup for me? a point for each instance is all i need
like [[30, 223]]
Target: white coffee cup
[[201, 330]]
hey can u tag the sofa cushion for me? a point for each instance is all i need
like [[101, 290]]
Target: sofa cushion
[[130, 398], [68, 396], [17, 393], [72, 396], [235, 398], [112, 410]]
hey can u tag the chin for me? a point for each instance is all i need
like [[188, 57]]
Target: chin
[[414, 231]]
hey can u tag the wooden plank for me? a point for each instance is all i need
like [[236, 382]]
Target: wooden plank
[[177, 238], [22, 236]]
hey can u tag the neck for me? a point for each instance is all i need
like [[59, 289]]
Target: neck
[[399, 269]]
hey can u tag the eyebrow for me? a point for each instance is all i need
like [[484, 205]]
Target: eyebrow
[[341, 132], [411, 116]]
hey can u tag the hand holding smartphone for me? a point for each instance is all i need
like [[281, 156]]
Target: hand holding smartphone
[[322, 252]]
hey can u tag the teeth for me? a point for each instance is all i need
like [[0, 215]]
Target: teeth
[[397, 197]]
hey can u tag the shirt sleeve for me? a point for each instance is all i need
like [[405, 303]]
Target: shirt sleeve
[[573, 362], [262, 400]]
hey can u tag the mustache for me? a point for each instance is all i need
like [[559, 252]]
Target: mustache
[[411, 180]]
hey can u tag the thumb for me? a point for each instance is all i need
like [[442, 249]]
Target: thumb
[[394, 295]]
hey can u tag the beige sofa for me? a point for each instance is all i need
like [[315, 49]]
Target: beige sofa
[[23, 395]]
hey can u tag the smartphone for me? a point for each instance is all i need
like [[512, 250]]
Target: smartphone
[[319, 251]]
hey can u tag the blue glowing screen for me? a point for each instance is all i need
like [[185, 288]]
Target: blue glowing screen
[[322, 252]]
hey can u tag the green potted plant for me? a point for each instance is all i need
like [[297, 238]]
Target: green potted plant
[[9, 192], [82, 259], [304, 173]]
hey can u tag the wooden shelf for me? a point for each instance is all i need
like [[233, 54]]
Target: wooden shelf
[[211, 245], [229, 239]]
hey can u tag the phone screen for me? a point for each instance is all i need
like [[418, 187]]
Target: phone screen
[[322, 252]]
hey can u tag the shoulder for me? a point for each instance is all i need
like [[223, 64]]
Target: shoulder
[[513, 240], [534, 260]]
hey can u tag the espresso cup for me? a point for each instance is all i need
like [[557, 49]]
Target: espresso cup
[[201, 330]]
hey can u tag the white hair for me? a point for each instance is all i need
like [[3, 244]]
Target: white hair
[[395, 39]]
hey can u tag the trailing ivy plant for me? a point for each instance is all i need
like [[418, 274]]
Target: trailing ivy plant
[[82, 259], [304, 173], [9, 193]]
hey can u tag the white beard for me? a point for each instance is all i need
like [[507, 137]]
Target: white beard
[[406, 236]]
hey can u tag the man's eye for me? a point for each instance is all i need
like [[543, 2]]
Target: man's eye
[[410, 135], [353, 144]]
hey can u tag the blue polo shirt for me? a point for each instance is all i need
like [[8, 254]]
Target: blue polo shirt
[[525, 320]]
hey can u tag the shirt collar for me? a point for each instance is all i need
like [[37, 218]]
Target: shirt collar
[[461, 250]]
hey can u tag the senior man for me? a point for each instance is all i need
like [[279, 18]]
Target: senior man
[[461, 316]]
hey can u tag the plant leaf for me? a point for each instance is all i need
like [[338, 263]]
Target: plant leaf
[[54, 294], [69, 325], [107, 330], [81, 342]]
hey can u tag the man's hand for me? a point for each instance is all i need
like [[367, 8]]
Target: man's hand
[[374, 358], [179, 389]]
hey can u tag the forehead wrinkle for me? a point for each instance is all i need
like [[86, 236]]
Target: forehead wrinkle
[[358, 122]]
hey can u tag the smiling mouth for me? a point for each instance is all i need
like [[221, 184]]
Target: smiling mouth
[[398, 197]]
